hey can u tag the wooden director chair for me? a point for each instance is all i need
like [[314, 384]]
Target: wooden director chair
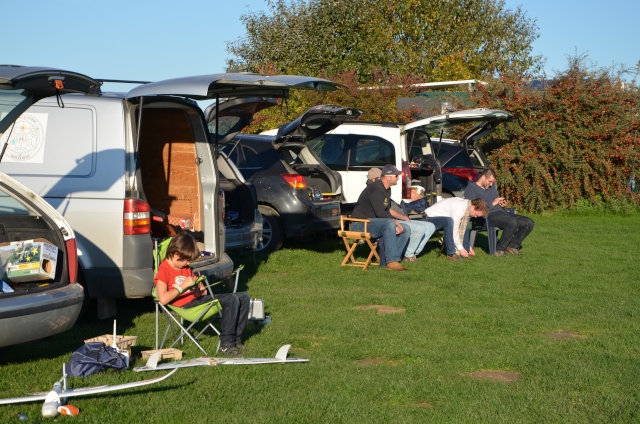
[[351, 241]]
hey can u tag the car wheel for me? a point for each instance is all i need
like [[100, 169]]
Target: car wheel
[[272, 234]]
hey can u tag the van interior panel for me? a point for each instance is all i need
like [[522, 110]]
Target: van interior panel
[[168, 165]]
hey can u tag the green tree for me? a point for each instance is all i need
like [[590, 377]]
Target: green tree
[[432, 39]]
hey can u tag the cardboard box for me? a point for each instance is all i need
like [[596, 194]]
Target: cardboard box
[[30, 260], [172, 353]]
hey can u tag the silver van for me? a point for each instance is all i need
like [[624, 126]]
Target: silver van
[[124, 168]]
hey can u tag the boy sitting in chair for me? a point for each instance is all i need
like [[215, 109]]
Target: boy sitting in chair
[[175, 284]]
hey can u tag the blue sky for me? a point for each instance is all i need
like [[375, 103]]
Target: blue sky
[[157, 39]]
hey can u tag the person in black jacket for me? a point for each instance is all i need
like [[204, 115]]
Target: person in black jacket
[[373, 204], [515, 228]]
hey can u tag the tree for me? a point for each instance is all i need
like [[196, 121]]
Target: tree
[[432, 39]]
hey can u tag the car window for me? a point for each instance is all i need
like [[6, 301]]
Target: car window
[[332, 149], [476, 160], [372, 151], [440, 149], [245, 158], [459, 160], [10, 205], [226, 124], [416, 141]]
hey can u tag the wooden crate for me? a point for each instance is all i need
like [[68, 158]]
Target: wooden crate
[[123, 342], [174, 354]]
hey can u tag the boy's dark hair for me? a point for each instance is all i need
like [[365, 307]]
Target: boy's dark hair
[[185, 245]]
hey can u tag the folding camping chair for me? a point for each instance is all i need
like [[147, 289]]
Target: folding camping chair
[[351, 240], [176, 316]]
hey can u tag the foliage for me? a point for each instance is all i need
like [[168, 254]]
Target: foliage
[[577, 139], [433, 39]]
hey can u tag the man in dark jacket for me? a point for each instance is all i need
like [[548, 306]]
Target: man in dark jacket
[[373, 204], [514, 227]]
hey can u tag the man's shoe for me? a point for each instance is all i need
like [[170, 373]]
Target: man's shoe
[[240, 348], [395, 266], [411, 259], [499, 253], [513, 251], [229, 352], [454, 257]]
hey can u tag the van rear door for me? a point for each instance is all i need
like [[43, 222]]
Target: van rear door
[[23, 86]]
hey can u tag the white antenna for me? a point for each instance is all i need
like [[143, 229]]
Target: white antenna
[[124, 352], [113, 344]]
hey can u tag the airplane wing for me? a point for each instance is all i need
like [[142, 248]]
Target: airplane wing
[[85, 390], [280, 358]]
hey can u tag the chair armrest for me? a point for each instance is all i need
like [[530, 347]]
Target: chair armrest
[[347, 219]]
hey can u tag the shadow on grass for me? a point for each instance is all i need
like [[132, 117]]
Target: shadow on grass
[[87, 326]]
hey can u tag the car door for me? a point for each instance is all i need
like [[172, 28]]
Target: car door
[[216, 87]]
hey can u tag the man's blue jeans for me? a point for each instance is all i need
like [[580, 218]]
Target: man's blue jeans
[[394, 245], [445, 224], [421, 232]]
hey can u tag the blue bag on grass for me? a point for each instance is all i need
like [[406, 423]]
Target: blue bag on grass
[[93, 357]]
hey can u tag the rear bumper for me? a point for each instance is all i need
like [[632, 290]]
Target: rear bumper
[[246, 237], [36, 316], [314, 218]]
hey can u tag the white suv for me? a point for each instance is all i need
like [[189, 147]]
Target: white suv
[[355, 147]]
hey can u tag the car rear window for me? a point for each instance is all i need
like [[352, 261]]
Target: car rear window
[[451, 155]]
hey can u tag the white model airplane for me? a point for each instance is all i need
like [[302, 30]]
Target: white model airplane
[[55, 398], [280, 358]]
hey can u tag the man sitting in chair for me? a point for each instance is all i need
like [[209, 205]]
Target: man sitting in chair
[[175, 284], [514, 227], [373, 204]]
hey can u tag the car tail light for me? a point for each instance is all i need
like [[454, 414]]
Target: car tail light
[[137, 217], [72, 259], [406, 180], [295, 180], [467, 173]]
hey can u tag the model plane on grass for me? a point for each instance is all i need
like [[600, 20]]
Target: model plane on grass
[[280, 358], [55, 399]]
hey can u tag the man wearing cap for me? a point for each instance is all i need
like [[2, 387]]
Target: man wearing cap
[[374, 204], [421, 230]]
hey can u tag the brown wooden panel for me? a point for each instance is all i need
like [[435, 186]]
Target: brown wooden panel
[[168, 164]]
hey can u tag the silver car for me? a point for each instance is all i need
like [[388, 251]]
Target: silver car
[[46, 300]]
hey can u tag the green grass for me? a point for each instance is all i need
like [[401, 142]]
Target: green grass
[[577, 273]]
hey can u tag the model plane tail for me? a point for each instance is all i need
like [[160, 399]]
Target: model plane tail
[[283, 352]]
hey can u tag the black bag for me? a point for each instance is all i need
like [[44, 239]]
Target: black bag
[[93, 357]]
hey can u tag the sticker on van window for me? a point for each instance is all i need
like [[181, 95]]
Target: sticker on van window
[[26, 139]]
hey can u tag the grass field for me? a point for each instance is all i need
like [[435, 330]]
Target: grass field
[[551, 336]]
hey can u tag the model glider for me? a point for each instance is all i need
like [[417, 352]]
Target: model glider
[[57, 396], [280, 358]]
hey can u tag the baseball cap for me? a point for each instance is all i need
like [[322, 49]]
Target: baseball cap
[[390, 170], [374, 173]]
